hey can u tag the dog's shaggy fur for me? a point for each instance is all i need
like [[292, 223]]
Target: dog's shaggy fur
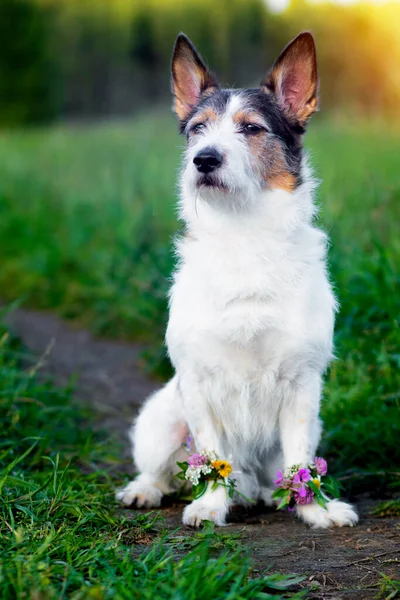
[[251, 307]]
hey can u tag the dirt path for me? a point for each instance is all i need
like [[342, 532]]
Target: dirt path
[[107, 372], [343, 564], [340, 564]]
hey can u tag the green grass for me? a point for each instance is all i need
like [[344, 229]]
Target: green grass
[[61, 535], [86, 220], [389, 588]]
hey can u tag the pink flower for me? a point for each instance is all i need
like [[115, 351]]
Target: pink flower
[[197, 460], [321, 465], [302, 475], [279, 478], [301, 491], [303, 496]]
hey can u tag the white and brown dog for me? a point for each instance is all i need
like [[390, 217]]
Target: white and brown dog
[[251, 307]]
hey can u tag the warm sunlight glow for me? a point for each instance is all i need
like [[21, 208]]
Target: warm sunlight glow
[[349, 2], [278, 6]]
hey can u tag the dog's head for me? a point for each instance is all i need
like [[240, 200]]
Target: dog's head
[[240, 142]]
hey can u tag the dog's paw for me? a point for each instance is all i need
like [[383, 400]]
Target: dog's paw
[[198, 511], [143, 495], [342, 514], [336, 514]]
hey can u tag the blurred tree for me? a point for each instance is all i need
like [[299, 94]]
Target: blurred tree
[[28, 90], [144, 42], [113, 56]]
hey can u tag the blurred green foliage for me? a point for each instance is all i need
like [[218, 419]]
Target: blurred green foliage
[[97, 58], [28, 91]]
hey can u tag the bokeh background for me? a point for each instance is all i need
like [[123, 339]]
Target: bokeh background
[[89, 153], [75, 59]]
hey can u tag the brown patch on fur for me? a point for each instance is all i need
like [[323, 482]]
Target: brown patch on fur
[[243, 117], [294, 79], [208, 115], [283, 180], [240, 117], [190, 77], [271, 160]]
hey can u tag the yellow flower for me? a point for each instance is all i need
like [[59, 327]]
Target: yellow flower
[[317, 482], [223, 467]]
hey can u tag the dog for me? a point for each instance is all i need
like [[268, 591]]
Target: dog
[[251, 314]]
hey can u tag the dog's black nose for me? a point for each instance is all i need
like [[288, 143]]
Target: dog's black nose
[[207, 160]]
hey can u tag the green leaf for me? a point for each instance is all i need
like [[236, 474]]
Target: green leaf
[[183, 465], [279, 493], [14, 463], [208, 527], [284, 502], [320, 500], [214, 485], [332, 486], [200, 489]]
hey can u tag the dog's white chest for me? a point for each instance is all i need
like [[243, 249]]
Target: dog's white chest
[[245, 309], [231, 293]]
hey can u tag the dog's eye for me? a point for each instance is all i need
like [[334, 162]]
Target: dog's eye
[[252, 128], [197, 128]]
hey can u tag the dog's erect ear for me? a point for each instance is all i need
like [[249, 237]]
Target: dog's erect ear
[[190, 77], [294, 79]]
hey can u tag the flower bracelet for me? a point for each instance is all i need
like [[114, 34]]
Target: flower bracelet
[[301, 485], [200, 469], [204, 468]]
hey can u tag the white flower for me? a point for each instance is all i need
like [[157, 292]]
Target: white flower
[[206, 469], [193, 474], [211, 455]]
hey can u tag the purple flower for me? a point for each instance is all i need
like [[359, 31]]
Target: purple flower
[[279, 478], [188, 443], [303, 496], [197, 460], [321, 465], [301, 491], [302, 475]]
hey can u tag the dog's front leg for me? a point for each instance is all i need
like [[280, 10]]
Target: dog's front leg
[[300, 431], [300, 428], [213, 505]]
